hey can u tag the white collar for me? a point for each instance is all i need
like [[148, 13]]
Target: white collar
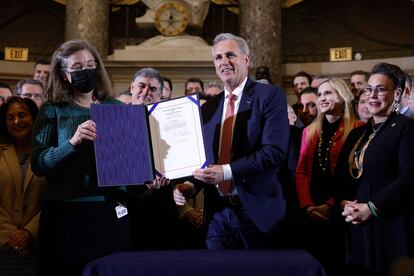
[[404, 109], [238, 91]]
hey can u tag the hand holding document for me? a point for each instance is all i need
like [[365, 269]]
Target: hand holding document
[[137, 142], [177, 138]]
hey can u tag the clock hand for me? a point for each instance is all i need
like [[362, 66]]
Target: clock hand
[[171, 21]]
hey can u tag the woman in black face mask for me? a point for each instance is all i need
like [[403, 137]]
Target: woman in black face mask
[[78, 221]]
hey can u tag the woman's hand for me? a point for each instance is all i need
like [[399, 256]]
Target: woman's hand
[[183, 191], [158, 183], [356, 213], [20, 240], [86, 130], [319, 213]]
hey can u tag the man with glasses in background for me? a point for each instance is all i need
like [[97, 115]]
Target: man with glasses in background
[[156, 207], [32, 89], [147, 86], [407, 98]]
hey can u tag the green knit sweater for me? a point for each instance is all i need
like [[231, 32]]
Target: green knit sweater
[[70, 171]]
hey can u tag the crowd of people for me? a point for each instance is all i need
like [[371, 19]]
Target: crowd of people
[[330, 174]]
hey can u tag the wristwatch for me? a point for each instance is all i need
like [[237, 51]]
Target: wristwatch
[[171, 18]]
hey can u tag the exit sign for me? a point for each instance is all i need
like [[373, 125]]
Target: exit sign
[[340, 54], [19, 54]]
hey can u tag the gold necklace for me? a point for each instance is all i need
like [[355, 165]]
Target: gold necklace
[[356, 157], [323, 160]]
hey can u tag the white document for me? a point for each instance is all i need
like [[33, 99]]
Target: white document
[[177, 138]]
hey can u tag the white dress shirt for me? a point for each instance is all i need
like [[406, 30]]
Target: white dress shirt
[[228, 175]]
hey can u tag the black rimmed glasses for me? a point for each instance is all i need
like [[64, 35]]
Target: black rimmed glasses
[[76, 67], [380, 90]]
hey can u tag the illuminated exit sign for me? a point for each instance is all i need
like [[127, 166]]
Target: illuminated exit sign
[[340, 54], [19, 54]]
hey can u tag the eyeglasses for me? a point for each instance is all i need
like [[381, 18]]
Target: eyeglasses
[[32, 96], [380, 90], [79, 66]]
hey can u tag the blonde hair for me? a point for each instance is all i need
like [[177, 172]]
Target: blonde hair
[[348, 116]]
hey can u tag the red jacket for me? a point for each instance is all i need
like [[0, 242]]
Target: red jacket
[[304, 169]]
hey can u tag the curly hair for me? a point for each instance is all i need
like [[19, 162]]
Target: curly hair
[[391, 71]]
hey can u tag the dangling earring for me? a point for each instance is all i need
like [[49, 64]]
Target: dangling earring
[[397, 101], [396, 106]]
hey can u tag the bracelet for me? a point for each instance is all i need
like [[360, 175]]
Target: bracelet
[[373, 209]]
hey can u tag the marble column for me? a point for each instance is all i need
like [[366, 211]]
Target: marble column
[[88, 20], [261, 26]]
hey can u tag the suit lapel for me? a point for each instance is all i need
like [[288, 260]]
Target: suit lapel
[[14, 168], [218, 115], [243, 112], [29, 176]]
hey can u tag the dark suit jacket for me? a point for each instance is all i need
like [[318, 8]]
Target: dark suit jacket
[[260, 141], [387, 181]]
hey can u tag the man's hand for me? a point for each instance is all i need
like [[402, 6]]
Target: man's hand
[[213, 174]]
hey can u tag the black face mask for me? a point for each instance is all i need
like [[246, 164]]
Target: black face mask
[[84, 80]]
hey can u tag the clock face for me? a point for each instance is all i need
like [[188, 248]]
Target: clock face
[[171, 18]]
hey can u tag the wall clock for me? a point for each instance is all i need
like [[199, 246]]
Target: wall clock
[[171, 18]]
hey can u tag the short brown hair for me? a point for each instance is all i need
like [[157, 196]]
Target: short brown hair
[[361, 72]]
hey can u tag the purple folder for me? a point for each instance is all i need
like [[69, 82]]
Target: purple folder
[[123, 147]]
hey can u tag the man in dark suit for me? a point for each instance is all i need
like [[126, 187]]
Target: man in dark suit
[[407, 98], [244, 201]]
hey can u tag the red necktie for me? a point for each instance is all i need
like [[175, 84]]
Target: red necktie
[[225, 143]]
